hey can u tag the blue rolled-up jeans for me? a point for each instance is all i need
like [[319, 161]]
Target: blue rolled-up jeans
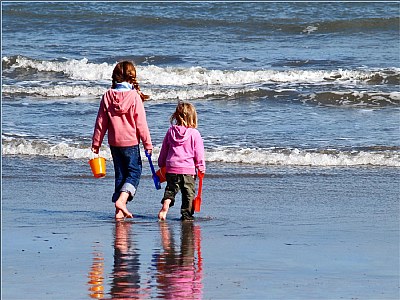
[[128, 168]]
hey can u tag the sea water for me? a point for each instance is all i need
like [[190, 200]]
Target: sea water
[[276, 83], [298, 106]]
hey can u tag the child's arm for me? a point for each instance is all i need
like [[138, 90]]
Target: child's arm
[[141, 124], [100, 127], [199, 160], [162, 158]]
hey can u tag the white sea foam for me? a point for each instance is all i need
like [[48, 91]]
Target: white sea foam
[[296, 157], [55, 91], [355, 98], [252, 156], [176, 76], [88, 93], [74, 69], [90, 80], [37, 147], [310, 29], [156, 94]]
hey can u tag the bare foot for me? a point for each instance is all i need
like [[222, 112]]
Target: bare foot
[[119, 214], [120, 206], [162, 215]]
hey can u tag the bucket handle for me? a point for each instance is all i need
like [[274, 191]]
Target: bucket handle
[[156, 179], [93, 155]]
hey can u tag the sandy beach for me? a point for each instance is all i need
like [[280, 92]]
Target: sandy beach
[[268, 234]]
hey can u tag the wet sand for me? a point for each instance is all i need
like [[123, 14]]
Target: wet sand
[[266, 233]]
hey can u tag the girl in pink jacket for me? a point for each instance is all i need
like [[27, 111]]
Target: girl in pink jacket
[[182, 152], [122, 114]]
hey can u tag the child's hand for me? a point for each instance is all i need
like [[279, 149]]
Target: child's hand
[[200, 174], [95, 150]]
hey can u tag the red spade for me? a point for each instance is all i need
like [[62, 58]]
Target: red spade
[[197, 200]]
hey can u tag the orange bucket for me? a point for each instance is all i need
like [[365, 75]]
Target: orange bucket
[[161, 173], [98, 166]]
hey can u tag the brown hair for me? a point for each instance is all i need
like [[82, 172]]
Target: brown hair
[[126, 71], [184, 115]]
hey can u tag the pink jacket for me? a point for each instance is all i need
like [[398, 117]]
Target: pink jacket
[[182, 151], [122, 114]]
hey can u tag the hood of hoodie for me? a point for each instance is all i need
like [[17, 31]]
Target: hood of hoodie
[[121, 101], [180, 134]]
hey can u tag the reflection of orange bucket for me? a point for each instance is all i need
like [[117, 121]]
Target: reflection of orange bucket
[[98, 166], [161, 173]]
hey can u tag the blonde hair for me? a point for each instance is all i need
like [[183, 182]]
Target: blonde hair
[[184, 115], [126, 71]]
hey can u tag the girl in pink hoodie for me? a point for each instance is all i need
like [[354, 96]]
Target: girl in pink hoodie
[[122, 114], [182, 152]]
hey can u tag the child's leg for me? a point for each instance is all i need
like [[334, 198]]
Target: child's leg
[[133, 170], [119, 170], [162, 215], [128, 168], [170, 192], [188, 194], [121, 210]]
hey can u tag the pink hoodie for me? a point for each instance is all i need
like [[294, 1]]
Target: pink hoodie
[[122, 114], [182, 151]]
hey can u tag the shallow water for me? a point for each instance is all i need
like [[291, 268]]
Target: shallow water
[[274, 233]]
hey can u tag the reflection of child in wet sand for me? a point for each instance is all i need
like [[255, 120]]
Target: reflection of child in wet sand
[[122, 114], [126, 275], [182, 152], [178, 272]]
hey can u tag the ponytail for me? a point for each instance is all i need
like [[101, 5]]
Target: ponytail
[[137, 88], [125, 71]]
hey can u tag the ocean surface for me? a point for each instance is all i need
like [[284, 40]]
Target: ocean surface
[[296, 84], [298, 106]]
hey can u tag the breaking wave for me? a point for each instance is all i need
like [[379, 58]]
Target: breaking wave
[[368, 156], [81, 78], [179, 76]]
